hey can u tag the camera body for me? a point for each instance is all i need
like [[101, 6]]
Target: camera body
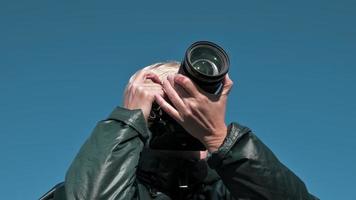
[[206, 64]]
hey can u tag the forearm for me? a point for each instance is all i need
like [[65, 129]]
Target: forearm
[[250, 170], [105, 166]]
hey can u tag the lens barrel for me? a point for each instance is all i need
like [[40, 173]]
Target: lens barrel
[[206, 64]]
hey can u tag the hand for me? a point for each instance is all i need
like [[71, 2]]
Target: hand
[[200, 113], [141, 90]]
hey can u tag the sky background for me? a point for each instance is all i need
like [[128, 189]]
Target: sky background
[[64, 66]]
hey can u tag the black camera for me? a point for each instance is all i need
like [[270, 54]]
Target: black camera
[[206, 64]]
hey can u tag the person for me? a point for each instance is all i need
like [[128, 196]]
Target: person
[[116, 161]]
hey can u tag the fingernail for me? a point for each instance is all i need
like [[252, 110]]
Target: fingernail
[[178, 78]]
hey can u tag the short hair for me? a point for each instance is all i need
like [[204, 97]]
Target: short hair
[[162, 69]]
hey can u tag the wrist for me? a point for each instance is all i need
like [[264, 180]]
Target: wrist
[[138, 107], [213, 143]]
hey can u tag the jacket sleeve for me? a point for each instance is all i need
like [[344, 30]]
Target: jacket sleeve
[[251, 171], [106, 164]]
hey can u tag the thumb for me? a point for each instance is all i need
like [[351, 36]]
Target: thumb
[[227, 85]]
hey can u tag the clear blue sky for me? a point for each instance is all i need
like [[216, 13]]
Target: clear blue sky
[[64, 65]]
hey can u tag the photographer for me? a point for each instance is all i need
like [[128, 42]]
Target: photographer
[[116, 161]]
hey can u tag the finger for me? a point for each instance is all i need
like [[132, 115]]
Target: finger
[[147, 92], [154, 78], [227, 85], [154, 91], [168, 108], [181, 92], [141, 75], [187, 85], [142, 87], [173, 96], [151, 85]]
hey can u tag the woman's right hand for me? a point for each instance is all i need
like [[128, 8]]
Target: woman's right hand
[[141, 90]]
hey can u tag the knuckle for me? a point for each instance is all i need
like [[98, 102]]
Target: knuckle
[[181, 79], [133, 86], [140, 88], [193, 105], [187, 113], [184, 81], [229, 84], [146, 93], [129, 88], [160, 92], [202, 99]]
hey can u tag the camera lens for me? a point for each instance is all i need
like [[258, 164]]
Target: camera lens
[[206, 67], [206, 64], [205, 59]]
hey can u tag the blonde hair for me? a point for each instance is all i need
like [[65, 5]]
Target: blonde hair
[[162, 69]]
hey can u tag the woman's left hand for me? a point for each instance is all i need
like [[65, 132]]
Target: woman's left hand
[[200, 113]]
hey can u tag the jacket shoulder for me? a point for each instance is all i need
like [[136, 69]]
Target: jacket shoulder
[[56, 193]]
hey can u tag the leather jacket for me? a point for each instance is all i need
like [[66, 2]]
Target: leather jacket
[[114, 163]]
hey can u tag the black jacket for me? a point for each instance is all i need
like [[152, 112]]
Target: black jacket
[[114, 164]]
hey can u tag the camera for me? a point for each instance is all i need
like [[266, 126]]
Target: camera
[[206, 64]]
